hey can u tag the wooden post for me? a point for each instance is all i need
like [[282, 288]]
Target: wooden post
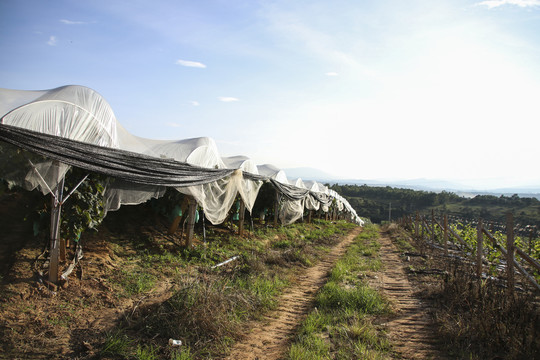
[[276, 209], [56, 210], [417, 221], [432, 226], [191, 221], [445, 236], [510, 252], [62, 249], [531, 236], [309, 216], [241, 218], [479, 248]]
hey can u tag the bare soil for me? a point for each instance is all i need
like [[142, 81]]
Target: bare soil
[[411, 330]]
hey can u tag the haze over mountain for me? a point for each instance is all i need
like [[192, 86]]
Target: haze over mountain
[[436, 185]]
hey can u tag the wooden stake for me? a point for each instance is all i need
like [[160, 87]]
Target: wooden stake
[[276, 209], [510, 252], [56, 210], [191, 221], [479, 248], [241, 218], [531, 232], [62, 249], [432, 226], [445, 236], [416, 223]]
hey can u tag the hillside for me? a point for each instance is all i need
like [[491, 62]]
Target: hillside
[[380, 203]]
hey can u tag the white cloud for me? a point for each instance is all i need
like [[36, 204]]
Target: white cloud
[[52, 40], [188, 63], [194, 103], [227, 99], [521, 3], [71, 22], [331, 73]]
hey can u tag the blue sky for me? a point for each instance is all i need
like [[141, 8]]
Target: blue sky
[[360, 89]]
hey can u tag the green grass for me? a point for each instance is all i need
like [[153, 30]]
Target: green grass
[[117, 343], [134, 282], [207, 306], [146, 353], [339, 327]]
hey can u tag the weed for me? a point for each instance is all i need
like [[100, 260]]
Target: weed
[[476, 319], [310, 347], [116, 344], [135, 282], [480, 319], [184, 354], [208, 306], [282, 244], [361, 298], [146, 353]]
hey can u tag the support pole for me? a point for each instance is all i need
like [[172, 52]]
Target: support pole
[[416, 223], [276, 209], [432, 226], [191, 221], [445, 236], [56, 210], [479, 248], [241, 218], [510, 252]]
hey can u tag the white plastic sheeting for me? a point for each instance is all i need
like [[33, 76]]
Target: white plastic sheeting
[[273, 172], [311, 203], [249, 189], [81, 114], [73, 112]]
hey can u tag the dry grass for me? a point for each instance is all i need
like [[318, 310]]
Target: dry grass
[[476, 319]]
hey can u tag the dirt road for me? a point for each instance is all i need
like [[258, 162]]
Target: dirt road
[[410, 331], [270, 339]]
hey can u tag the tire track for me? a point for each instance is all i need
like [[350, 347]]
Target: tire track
[[411, 331], [271, 337]]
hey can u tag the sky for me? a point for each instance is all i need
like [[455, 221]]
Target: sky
[[436, 89]]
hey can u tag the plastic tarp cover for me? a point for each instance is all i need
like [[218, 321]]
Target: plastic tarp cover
[[73, 112], [249, 187], [312, 202], [129, 166], [75, 126], [273, 172]]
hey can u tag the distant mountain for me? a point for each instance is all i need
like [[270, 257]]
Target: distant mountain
[[435, 185], [307, 173]]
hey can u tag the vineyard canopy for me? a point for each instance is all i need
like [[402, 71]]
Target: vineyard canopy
[[74, 126]]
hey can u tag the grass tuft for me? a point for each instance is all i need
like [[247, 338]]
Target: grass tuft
[[339, 327]]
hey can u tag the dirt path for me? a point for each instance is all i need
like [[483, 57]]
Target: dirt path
[[270, 338], [411, 332]]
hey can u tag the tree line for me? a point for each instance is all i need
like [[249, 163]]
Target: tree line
[[380, 203]]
